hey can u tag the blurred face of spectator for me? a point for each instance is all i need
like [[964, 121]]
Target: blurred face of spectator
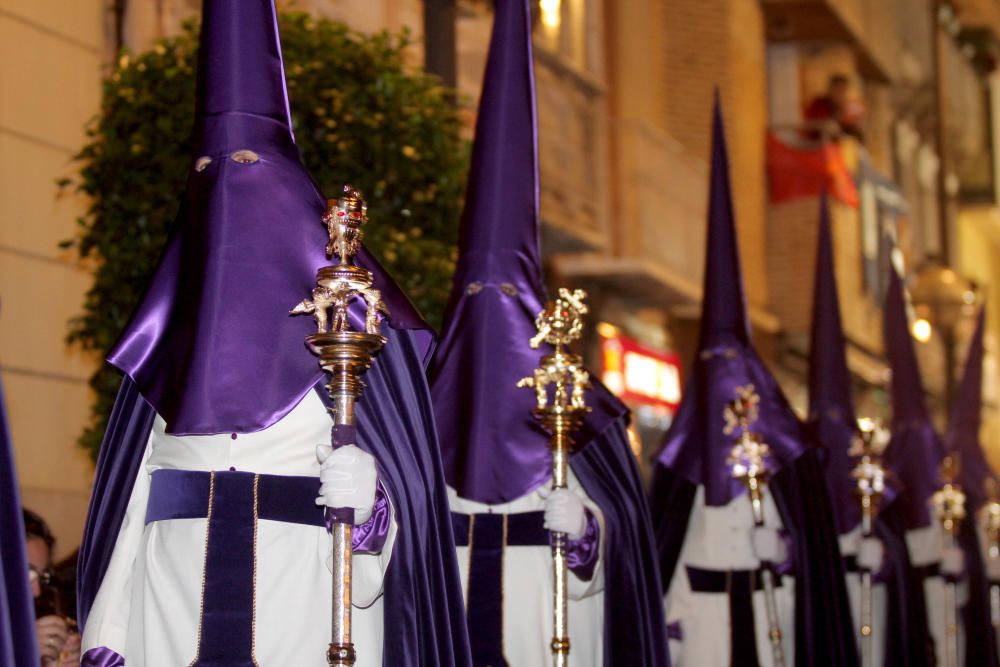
[[839, 88], [38, 563]]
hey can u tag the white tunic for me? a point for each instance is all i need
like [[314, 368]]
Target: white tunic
[[147, 608], [719, 538], [925, 546], [527, 591], [849, 543]]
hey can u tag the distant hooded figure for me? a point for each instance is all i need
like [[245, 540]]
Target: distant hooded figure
[[711, 553], [900, 636], [915, 454], [496, 456], [205, 542], [979, 483]]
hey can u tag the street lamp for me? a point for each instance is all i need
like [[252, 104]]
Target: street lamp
[[942, 299]]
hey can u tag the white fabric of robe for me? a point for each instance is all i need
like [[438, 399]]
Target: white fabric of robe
[[849, 543], [719, 538], [147, 608], [527, 590], [925, 546], [983, 533]]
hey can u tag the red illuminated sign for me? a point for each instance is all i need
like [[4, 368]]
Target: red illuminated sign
[[640, 374]]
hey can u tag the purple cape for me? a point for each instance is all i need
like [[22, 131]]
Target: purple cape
[[832, 421], [213, 349], [424, 612], [493, 449], [981, 639], [915, 451], [17, 612], [634, 625], [695, 446]]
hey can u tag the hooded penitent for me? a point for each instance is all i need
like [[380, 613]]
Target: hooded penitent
[[832, 421], [974, 474], [915, 451], [966, 420], [212, 349], [695, 450], [18, 643], [493, 449]]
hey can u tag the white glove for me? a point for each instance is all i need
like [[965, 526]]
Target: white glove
[[952, 561], [347, 475], [564, 513], [993, 569], [870, 554], [768, 545]]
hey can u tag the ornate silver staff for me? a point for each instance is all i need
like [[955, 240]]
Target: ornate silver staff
[[990, 516], [559, 325], [869, 444], [949, 509], [748, 459], [345, 354]]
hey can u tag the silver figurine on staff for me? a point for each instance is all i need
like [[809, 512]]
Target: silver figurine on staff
[[345, 354], [870, 442], [949, 509], [748, 461], [560, 324]]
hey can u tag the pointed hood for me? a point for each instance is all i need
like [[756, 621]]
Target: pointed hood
[[211, 346], [492, 448], [831, 405], [234, 80], [724, 310], [966, 419], [696, 446], [915, 451], [829, 377]]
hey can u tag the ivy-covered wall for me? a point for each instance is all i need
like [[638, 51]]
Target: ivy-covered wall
[[360, 116]]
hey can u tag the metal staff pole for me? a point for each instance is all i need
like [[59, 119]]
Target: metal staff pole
[[949, 508], [869, 444], [345, 355], [991, 521], [559, 325], [748, 459]]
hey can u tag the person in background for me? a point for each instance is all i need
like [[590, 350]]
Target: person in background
[[835, 112], [58, 641]]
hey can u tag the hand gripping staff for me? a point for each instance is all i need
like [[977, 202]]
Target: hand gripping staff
[[560, 324], [748, 460], [345, 354]]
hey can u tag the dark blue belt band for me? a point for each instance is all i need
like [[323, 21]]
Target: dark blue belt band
[[723, 581], [524, 529], [740, 586], [487, 536], [232, 502], [183, 494]]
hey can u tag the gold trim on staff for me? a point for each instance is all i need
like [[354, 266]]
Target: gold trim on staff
[[559, 383], [748, 461], [345, 355]]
